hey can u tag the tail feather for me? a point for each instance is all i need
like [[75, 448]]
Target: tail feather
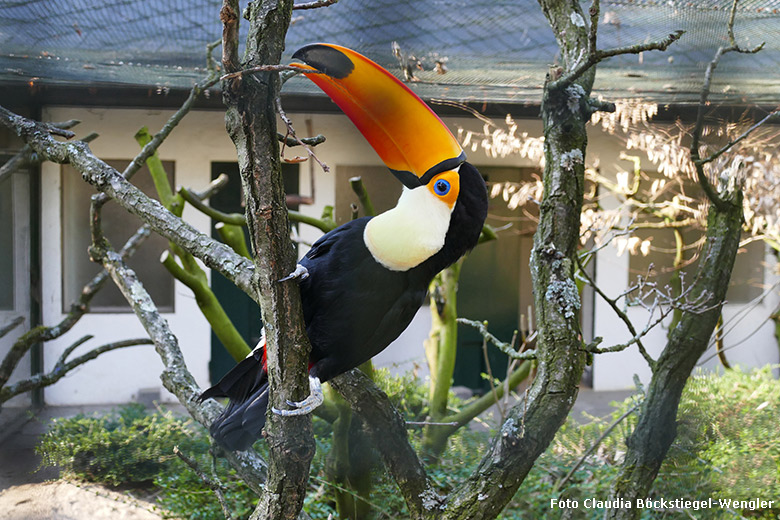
[[241, 424], [242, 421]]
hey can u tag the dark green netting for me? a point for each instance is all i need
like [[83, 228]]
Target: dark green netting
[[495, 50]]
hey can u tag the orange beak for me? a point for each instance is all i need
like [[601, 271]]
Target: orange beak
[[408, 136]]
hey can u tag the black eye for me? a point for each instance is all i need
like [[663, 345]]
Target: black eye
[[441, 187]]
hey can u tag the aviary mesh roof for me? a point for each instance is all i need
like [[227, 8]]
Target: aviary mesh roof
[[495, 50]]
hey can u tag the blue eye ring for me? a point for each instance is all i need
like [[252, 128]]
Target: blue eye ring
[[441, 187]]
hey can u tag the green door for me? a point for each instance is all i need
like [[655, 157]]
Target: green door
[[241, 309], [495, 286]]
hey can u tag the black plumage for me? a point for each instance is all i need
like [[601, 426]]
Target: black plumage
[[353, 308]]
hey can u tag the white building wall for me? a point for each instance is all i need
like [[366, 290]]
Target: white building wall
[[119, 376], [19, 185]]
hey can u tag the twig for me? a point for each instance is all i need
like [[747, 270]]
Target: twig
[[5, 329], [767, 119], [429, 423], [291, 133], [27, 157], [151, 147], [560, 483], [698, 128], [491, 379], [68, 351], [506, 348], [595, 56], [217, 487], [263, 68], [77, 309], [622, 315], [62, 368], [309, 141], [314, 5]]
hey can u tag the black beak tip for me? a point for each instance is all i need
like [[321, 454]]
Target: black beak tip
[[326, 59]]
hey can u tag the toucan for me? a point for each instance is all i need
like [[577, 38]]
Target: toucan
[[362, 283]]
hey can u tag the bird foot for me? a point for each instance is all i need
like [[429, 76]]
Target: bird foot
[[300, 273], [314, 399]]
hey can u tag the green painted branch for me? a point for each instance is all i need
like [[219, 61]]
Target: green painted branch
[[443, 340], [237, 219], [488, 234], [365, 201], [157, 171], [210, 307], [320, 223], [234, 237], [191, 274], [657, 426], [437, 435]]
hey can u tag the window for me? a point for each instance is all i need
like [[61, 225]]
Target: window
[[118, 226]]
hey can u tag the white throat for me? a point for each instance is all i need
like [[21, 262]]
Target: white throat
[[411, 232]]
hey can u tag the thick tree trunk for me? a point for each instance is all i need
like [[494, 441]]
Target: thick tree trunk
[[531, 427], [251, 123], [657, 427]]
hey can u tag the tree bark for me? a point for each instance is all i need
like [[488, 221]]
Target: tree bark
[[251, 123], [657, 426]]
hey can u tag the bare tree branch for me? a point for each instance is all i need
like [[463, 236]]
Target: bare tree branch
[[594, 56], [106, 179], [315, 5], [26, 156], [698, 128], [296, 141], [212, 484], [622, 315], [176, 377], [387, 429], [291, 133], [504, 347], [77, 309], [63, 367], [5, 329], [251, 123]]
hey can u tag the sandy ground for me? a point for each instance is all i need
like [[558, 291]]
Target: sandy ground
[[63, 500], [28, 492]]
